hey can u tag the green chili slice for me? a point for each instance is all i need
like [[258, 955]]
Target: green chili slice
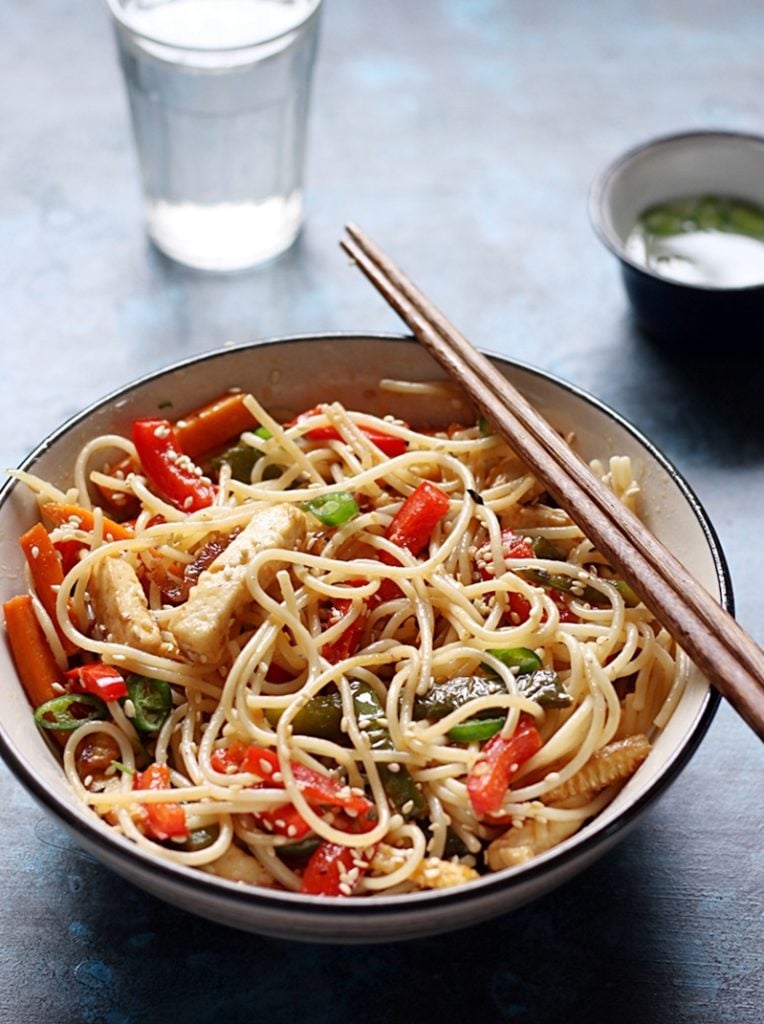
[[152, 702], [69, 711], [320, 717], [333, 509], [402, 792]]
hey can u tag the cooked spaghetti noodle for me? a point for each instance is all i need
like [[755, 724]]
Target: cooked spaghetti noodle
[[440, 679]]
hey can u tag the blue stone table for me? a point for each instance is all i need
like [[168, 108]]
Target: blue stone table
[[463, 135]]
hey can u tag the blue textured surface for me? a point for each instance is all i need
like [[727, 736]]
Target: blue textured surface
[[463, 136]]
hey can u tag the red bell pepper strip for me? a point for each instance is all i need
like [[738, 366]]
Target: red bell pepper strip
[[172, 473], [411, 528], [333, 870], [388, 444], [512, 545], [415, 520], [227, 760], [100, 680], [319, 790], [166, 820], [349, 641], [284, 820], [519, 608], [501, 757]]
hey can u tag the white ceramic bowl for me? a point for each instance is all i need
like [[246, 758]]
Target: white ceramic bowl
[[294, 374]]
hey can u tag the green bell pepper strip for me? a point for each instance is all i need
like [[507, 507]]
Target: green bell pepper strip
[[297, 855], [241, 457], [69, 711], [320, 717], [333, 509], [535, 682], [401, 790], [544, 548], [152, 702], [574, 587], [447, 696]]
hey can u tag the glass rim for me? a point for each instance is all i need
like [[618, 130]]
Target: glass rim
[[116, 9]]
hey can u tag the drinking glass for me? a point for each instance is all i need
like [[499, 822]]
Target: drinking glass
[[219, 93]]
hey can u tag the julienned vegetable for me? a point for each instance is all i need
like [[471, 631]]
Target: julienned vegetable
[[333, 870], [241, 457], [420, 513], [168, 468], [501, 758], [411, 529], [35, 664], [47, 575], [404, 795], [163, 820], [102, 681], [389, 444]]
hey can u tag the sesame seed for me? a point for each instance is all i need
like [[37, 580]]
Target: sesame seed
[[265, 766], [129, 708], [35, 551], [58, 688]]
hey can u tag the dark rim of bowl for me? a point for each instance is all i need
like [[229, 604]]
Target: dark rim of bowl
[[602, 223], [181, 877]]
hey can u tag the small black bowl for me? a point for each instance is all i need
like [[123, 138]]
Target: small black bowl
[[670, 167]]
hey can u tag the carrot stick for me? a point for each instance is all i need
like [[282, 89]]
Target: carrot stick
[[47, 574], [202, 431], [60, 514], [33, 657], [213, 424]]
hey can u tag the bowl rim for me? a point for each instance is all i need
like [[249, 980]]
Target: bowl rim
[[280, 902], [602, 183]]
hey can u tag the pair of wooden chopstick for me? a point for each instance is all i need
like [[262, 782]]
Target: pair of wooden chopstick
[[723, 651]]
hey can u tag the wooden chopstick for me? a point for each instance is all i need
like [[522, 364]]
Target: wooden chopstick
[[723, 651]]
